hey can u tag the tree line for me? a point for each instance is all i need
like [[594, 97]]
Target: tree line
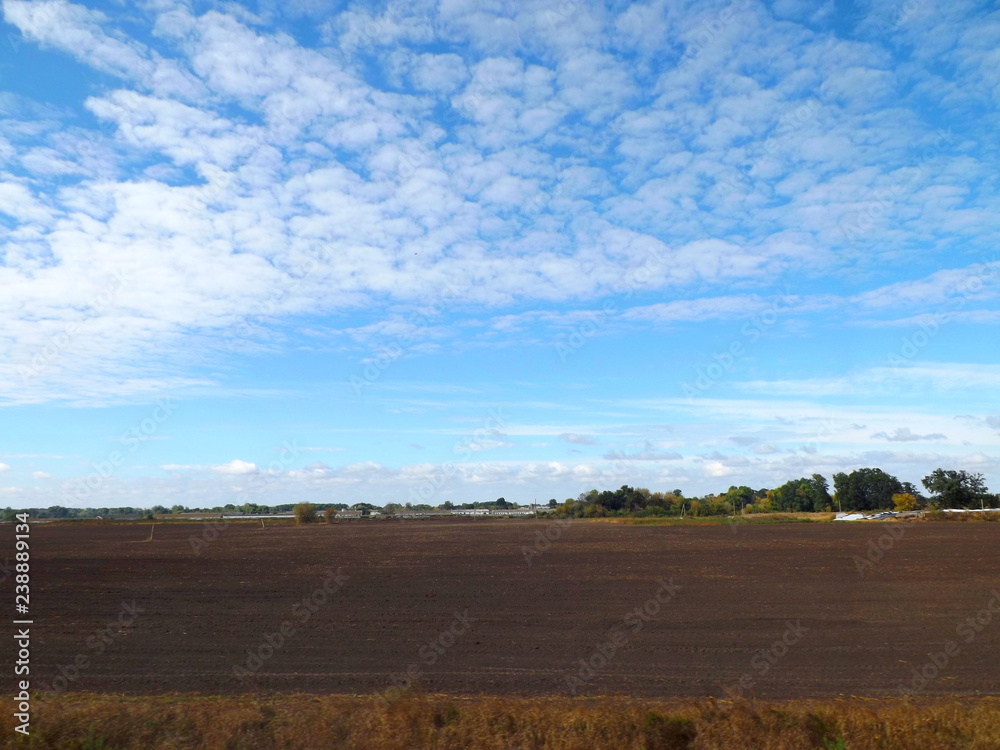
[[868, 489], [59, 511]]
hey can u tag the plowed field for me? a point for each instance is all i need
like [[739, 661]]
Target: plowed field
[[457, 604]]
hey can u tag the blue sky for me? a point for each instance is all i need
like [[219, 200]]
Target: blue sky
[[426, 251]]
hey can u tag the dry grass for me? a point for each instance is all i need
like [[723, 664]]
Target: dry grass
[[962, 517], [107, 722]]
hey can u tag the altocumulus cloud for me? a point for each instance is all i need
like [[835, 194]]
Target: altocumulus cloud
[[252, 176]]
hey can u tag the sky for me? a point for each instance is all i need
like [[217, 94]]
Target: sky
[[421, 251]]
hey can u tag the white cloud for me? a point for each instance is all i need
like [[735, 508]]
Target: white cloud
[[236, 466], [905, 434], [645, 455], [439, 73], [77, 30], [917, 377], [289, 184], [80, 32], [708, 308], [719, 469], [571, 437]]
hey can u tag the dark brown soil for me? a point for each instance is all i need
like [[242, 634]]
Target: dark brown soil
[[198, 615]]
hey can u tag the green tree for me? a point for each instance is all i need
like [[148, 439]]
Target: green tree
[[793, 496], [865, 489], [805, 494], [956, 489], [821, 493], [739, 497]]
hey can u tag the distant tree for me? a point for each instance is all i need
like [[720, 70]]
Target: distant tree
[[553, 503], [865, 489], [792, 496], [805, 494], [329, 513], [676, 493], [739, 497], [956, 489], [501, 503], [447, 505], [761, 502], [821, 493], [178, 509], [304, 513], [717, 505], [675, 503], [904, 501]]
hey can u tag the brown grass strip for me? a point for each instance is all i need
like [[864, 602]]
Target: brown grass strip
[[81, 721]]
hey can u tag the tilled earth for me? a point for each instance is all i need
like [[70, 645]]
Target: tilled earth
[[488, 606]]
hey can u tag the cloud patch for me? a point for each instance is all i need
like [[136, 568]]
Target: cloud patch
[[236, 466], [906, 435]]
